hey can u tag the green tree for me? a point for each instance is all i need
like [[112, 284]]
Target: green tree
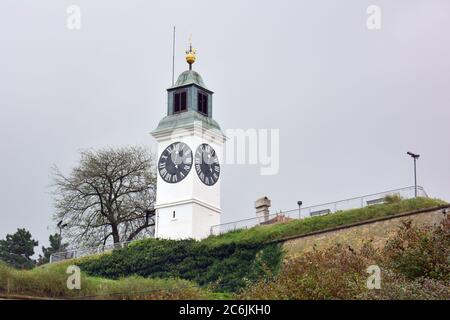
[[17, 249], [55, 246]]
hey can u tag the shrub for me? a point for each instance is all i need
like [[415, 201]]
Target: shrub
[[418, 252], [414, 265], [393, 198], [226, 268], [395, 286], [334, 273]]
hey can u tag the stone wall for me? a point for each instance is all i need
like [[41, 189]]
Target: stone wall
[[378, 231]]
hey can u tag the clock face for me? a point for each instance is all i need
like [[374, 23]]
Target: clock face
[[207, 164], [175, 162]]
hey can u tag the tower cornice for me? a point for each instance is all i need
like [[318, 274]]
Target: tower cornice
[[196, 128]]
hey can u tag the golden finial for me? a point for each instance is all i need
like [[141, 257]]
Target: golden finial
[[190, 54]]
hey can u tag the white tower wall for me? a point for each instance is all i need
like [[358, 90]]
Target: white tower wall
[[196, 205]]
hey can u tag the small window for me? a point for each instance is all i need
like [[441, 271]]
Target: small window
[[180, 102], [173, 215], [202, 103]]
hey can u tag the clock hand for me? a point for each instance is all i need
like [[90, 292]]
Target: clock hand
[[176, 160]]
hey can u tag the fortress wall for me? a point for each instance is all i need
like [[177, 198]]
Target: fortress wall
[[378, 231]]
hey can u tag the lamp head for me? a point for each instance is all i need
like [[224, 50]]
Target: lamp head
[[415, 156]]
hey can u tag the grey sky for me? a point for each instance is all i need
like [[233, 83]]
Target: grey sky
[[349, 102]]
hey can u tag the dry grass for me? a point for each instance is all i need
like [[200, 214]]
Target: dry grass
[[51, 281]]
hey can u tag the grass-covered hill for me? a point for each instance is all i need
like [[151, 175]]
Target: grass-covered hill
[[216, 267], [394, 205]]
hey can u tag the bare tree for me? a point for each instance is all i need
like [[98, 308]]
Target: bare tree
[[108, 196]]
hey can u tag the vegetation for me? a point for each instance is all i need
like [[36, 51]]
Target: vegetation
[[50, 281], [55, 246], [230, 261], [17, 249], [420, 252], [298, 227], [108, 196], [247, 264], [226, 268], [414, 265]]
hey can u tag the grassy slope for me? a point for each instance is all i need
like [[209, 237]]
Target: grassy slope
[[50, 281], [299, 227]]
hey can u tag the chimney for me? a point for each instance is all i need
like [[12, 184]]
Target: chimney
[[262, 206]]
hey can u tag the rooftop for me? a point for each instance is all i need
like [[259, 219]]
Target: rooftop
[[189, 77]]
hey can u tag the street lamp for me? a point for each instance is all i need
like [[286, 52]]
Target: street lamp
[[299, 209], [61, 226], [415, 157]]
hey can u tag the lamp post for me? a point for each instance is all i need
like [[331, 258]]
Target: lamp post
[[415, 157], [61, 226], [299, 209]]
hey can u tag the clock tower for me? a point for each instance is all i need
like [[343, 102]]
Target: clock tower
[[190, 145]]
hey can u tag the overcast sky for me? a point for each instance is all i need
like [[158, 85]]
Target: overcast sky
[[348, 101]]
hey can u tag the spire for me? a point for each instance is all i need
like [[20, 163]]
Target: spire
[[190, 54]]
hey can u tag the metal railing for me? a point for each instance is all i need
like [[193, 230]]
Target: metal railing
[[316, 210], [82, 252]]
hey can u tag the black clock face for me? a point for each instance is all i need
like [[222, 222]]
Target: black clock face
[[175, 162], [207, 164]]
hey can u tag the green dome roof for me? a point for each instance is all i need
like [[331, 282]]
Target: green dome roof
[[172, 122], [189, 77]]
